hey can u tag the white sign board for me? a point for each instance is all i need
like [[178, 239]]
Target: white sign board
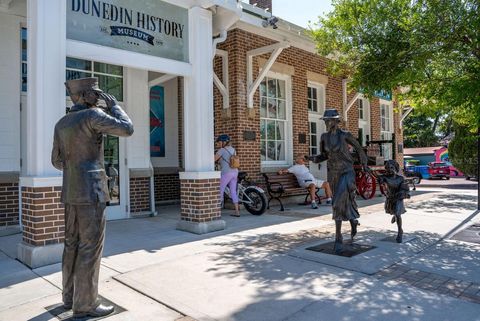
[[152, 27]]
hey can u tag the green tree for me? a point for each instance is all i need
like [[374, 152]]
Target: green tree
[[463, 150], [428, 51], [419, 131]]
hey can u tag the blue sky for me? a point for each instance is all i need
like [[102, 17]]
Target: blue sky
[[300, 11]]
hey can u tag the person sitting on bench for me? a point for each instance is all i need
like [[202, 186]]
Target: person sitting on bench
[[307, 180]]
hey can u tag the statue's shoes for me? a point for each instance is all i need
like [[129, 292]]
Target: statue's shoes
[[353, 232], [99, 311], [338, 247], [400, 237], [67, 306]]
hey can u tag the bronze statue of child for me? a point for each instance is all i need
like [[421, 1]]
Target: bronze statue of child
[[396, 190]]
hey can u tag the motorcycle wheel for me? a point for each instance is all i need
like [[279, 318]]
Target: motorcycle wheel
[[416, 180], [259, 201]]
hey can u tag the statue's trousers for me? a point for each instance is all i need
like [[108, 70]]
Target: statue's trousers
[[84, 237]]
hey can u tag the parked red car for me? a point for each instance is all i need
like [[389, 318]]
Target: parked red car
[[439, 169]]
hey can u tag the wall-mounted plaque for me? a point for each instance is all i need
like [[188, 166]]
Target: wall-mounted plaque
[[249, 135], [302, 138]]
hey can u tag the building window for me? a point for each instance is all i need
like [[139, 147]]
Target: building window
[[361, 109], [273, 121], [363, 121], [110, 77], [386, 128], [23, 36], [313, 138], [316, 107], [316, 98]]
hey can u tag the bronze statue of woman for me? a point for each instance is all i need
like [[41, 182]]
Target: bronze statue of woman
[[397, 190], [334, 147]]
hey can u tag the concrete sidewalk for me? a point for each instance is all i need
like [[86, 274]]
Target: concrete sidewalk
[[258, 269]]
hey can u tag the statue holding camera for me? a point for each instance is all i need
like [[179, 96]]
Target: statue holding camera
[[334, 147], [78, 152]]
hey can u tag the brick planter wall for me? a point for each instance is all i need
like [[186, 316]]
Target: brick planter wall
[[167, 187], [42, 215], [139, 194], [8, 204], [200, 200]]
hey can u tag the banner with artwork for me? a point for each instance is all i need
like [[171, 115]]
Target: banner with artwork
[[157, 122]]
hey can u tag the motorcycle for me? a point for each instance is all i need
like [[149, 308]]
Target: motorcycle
[[251, 196]]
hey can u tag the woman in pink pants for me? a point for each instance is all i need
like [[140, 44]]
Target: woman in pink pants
[[229, 175]]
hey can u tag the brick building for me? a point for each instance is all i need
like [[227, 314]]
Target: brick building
[[218, 67]]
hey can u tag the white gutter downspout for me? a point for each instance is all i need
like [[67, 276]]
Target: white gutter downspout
[[216, 40]]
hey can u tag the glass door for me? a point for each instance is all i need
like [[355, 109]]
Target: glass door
[[112, 151]]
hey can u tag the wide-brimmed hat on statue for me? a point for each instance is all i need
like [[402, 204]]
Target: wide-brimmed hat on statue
[[78, 86], [330, 114]]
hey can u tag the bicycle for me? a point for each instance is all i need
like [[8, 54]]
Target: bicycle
[[251, 196]]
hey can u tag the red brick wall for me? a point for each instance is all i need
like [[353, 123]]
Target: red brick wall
[[42, 215], [237, 44], [167, 187], [200, 200], [139, 194], [8, 204]]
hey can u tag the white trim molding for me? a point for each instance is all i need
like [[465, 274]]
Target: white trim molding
[[199, 175], [83, 50], [223, 86], [347, 104], [406, 111], [275, 50], [36, 181]]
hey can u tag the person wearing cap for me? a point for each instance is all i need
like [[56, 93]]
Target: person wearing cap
[[307, 180], [334, 147], [78, 152], [229, 175]]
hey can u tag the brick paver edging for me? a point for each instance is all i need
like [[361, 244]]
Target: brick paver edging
[[469, 291]]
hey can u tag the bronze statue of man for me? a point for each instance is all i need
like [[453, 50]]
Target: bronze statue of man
[[334, 147], [78, 152]]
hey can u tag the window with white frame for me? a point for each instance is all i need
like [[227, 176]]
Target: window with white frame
[[273, 121], [316, 98], [363, 120], [316, 106], [23, 37], [361, 109], [386, 128], [110, 77], [314, 138]]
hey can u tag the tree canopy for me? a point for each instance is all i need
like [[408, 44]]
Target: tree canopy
[[427, 51]]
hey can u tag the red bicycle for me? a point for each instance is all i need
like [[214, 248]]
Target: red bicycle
[[367, 181]]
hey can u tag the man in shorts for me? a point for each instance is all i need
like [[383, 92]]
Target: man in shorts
[[307, 180]]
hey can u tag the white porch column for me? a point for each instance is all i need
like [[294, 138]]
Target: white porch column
[[200, 202], [42, 213], [46, 42], [140, 172]]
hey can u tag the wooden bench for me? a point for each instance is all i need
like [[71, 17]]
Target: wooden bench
[[285, 185]]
